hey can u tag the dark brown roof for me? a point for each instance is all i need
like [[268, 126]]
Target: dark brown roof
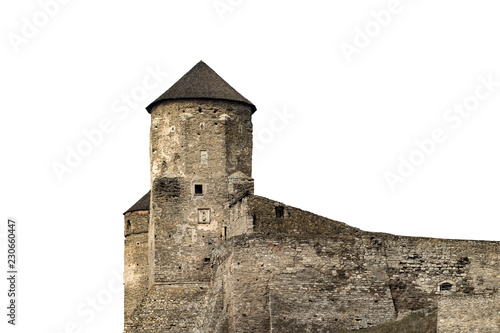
[[204, 83], [142, 204]]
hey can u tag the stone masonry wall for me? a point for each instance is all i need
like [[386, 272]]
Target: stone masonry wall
[[193, 142], [181, 251], [291, 284], [256, 214], [418, 266], [136, 270], [413, 269], [170, 308], [303, 273], [469, 313], [240, 220]]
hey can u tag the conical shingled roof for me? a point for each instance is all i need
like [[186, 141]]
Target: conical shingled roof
[[201, 82], [142, 204]]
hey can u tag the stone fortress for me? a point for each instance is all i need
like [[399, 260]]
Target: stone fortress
[[204, 254]]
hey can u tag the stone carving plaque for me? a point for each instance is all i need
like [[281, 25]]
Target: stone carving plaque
[[203, 215]]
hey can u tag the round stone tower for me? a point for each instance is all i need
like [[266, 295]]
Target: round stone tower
[[136, 273], [201, 134]]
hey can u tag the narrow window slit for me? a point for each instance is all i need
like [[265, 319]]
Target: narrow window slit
[[280, 211]]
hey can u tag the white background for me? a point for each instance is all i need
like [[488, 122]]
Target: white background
[[352, 120]]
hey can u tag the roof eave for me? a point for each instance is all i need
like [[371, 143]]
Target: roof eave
[[150, 107]]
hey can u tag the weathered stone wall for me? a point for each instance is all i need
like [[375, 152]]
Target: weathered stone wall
[[295, 284], [240, 220], [238, 137], [304, 273], [181, 130], [181, 250], [259, 215], [136, 222], [193, 142], [469, 313], [418, 266], [170, 308], [217, 318], [414, 268], [136, 270], [240, 185]]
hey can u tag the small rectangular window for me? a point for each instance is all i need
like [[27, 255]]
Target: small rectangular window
[[198, 189], [280, 211]]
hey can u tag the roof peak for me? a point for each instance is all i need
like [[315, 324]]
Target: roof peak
[[202, 82]]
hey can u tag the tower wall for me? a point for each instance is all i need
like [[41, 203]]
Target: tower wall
[[193, 143], [136, 272]]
